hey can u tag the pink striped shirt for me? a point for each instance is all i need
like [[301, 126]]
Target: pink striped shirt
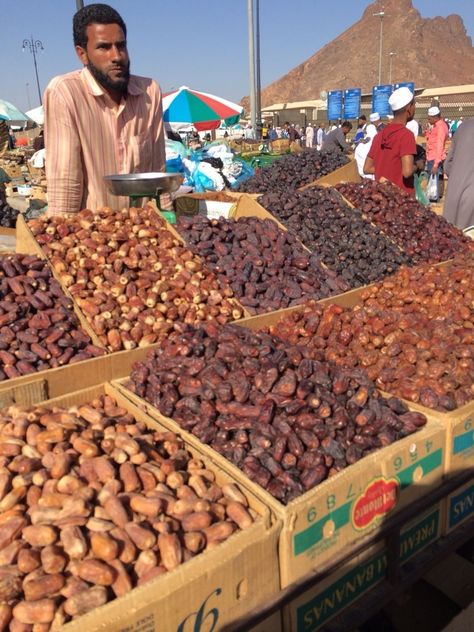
[[88, 136]]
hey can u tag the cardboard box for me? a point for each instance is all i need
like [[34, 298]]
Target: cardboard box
[[243, 205], [346, 173], [38, 173], [460, 506], [36, 387], [27, 244], [211, 201], [209, 591], [421, 531], [318, 605], [271, 624], [247, 206], [13, 170], [353, 503], [360, 574], [39, 192], [459, 423]]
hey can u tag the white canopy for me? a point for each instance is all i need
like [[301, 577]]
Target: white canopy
[[37, 114]]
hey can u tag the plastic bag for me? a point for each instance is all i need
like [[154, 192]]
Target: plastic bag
[[241, 171], [174, 165], [421, 184], [432, 191]]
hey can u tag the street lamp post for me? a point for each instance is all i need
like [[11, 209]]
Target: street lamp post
[[381, 15], [34, 46], [391, 54]]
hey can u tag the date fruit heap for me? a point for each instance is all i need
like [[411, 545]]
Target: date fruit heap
[[92, 504], [413, 334], [286, 421], [294, 171], [38, 328], [420, 233], [130, 276], [266, 267], [346, 243]]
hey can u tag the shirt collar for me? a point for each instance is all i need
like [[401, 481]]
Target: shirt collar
[[97, 90]]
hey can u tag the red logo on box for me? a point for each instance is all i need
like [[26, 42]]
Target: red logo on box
[[377, 500]]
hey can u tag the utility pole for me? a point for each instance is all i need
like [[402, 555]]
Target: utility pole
[[391, 54], [33, 47], [79, 5], [381, 15], [253, 112], [258, 102]]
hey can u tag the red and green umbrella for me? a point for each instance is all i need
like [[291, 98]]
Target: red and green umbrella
[[185, 107]]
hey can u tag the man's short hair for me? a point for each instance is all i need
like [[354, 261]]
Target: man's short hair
[[94, 14], [362, 117], [347, 124]]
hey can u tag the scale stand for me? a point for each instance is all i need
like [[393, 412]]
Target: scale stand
[[170, 216], [150, 185]]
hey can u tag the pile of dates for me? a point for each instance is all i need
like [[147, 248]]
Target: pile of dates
[[130, 276], [38, 327], [421, 234], [8, 216], [413, 334], [266, 267], [92, 504], [355, 249], [294, 171], [287, 421]]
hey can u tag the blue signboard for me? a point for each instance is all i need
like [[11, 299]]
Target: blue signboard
[[352, 103], [334, 105], [407, 84], [380, 97]]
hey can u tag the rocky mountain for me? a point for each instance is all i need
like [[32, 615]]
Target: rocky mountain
[[429, 51]]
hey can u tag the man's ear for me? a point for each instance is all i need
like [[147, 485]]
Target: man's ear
[[82, 54]]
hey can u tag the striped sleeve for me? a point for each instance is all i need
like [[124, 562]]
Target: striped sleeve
[[63, 154], [158, 131]]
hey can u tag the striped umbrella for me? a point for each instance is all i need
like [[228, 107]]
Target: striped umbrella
[[184, 107]]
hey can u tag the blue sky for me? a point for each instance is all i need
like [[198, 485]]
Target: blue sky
[[199, 43]]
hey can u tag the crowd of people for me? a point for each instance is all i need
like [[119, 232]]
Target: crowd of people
[[102, 119], [401, 151]]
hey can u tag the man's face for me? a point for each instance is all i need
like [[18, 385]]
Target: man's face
[[432, 119], [106, 56]]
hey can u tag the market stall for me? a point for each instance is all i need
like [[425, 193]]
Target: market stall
[[238, 417]]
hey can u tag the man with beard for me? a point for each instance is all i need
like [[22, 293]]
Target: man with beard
[[99, 120]]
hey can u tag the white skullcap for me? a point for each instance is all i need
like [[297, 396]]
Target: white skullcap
[[400, 97], [375, 116], [433, 111]]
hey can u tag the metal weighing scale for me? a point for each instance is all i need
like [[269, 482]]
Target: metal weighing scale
[[150, 185]]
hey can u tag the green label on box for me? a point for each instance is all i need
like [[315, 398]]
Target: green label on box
[[463, 442], [340, 594], [353, 584], [419, 535], [461, 506], [313, 535]]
